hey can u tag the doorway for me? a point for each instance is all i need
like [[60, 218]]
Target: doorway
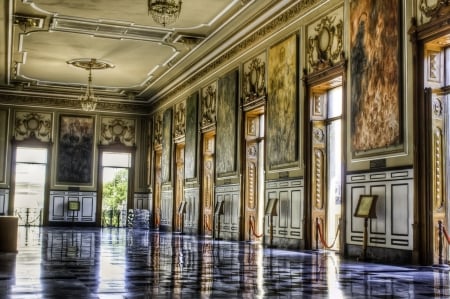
[[30, 173], [208, 173], [115, 188], [334, 166], [254, 175], [326, 163]]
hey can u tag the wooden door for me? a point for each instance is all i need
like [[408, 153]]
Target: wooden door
[[208, 183], [318, 168], [179, 187], [253, 140]]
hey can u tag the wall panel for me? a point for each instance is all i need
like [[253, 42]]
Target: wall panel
[[393, 226], [58, 208]]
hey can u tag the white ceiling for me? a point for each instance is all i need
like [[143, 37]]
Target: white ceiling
[[147, 56]]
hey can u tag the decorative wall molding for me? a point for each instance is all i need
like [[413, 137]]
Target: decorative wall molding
[[289, 222], [254, 80], [117, 131], [433, 10], [229, 220], [62, 102], [33, 125], [158, 129], [142, 201], [393, 227], [180, 120], [208, 105], [59, 202], [325, 47]]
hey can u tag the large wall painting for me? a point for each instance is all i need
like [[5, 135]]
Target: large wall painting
[[166, 146], [75, 149], [190, 151], [282, 106], [375, 75], [226, 141]]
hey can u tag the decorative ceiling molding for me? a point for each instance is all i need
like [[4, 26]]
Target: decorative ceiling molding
[[61, 102], [109, 29], [273, 26]]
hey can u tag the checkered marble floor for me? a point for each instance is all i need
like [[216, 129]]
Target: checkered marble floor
[[125, 263]]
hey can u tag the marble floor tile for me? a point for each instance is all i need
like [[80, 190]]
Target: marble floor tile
[[125, 263]]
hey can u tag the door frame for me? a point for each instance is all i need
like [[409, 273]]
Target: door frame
[[424, 226], [338, 70], [114, 148], [31, 143]]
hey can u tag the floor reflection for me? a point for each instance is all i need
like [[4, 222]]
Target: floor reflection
[[127, 263]]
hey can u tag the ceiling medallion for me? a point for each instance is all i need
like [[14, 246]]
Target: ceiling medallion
[[88, 100], [164, 12]]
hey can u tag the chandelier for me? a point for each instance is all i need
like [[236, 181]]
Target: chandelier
[[164, 12], [89, 100]]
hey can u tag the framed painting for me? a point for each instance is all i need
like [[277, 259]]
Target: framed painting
[[227, 129], [190, 151], [282, 106], [166, 146], [376, 76], [75, 149]]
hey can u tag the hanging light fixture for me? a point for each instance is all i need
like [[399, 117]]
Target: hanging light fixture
[[89, 100], [164, 12]]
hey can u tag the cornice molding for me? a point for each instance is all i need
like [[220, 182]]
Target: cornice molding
[[66, 103]]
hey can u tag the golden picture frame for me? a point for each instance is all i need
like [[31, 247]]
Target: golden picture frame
[[366, 207]]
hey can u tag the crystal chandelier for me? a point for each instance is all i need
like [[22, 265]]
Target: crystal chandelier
[[89, 100], [164, 12]]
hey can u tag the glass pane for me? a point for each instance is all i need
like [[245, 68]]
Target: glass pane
[[31, 155], [30, 185], [117, 159], [335, 102]]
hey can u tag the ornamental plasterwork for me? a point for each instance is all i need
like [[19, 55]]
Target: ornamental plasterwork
[[325, 47], [438, 170], [209, 96], [437, 107], [117, 131], [33, 125], [273, 26], [254, 79], [430, 9], [71, 104], [158, 129], [180, 120]]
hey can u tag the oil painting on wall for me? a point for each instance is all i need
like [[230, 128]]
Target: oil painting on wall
[[75, 149], [282, 107], [226, 151], [166, 145], [191, 136], [375, 74]]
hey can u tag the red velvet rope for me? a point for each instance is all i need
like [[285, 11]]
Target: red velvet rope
[[322, 239], [252, 228], [446, 234], [208, 227]]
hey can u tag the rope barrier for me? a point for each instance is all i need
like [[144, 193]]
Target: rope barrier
[[322, 239], [207, 225], [252, 229], [444, 230]]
